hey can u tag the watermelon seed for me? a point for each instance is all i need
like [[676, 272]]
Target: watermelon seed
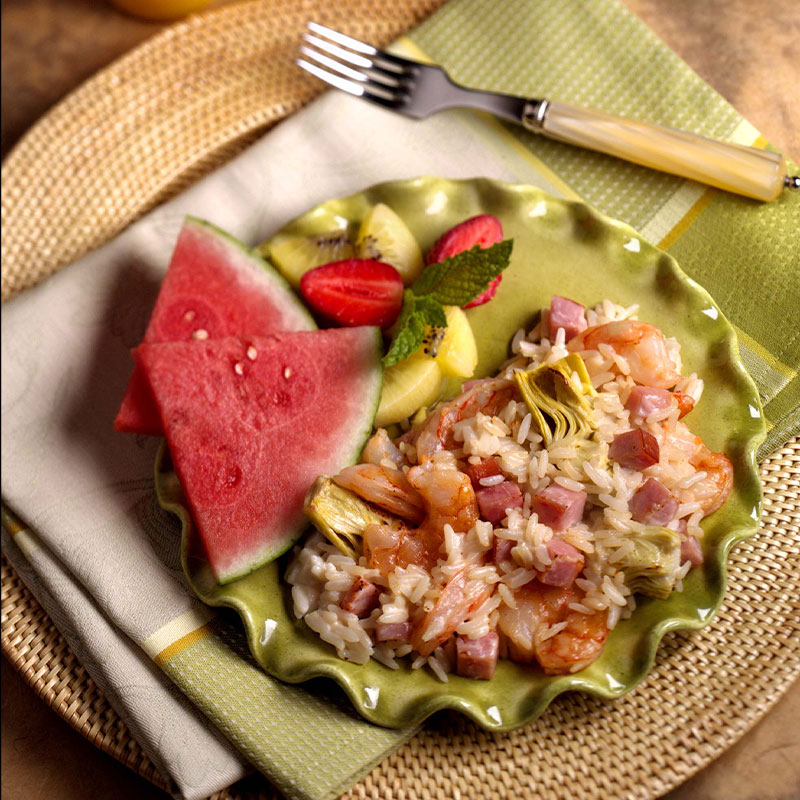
[[188, 316], [287, 373], [238, 368], [252, 353], [200, 333]]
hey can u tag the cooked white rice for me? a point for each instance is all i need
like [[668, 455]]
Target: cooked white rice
[[320, 575]]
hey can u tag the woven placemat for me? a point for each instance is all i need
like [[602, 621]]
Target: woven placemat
[[179, 106]]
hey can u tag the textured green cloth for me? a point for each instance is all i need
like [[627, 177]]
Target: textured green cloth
[[597, 54]]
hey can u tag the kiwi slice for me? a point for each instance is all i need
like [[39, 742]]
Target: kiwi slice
[[407, 386], [295, 255], [385, 237]]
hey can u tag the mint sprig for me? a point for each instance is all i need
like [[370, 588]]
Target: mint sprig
[[452, 282], [416, 314]]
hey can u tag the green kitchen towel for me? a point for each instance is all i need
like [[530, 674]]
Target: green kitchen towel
[[95, 546]]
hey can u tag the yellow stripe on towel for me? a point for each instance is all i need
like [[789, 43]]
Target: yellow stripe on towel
[[177, 635]]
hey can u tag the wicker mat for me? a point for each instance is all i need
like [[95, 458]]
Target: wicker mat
[[182, 104]]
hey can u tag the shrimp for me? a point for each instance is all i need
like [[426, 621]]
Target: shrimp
[[385, 487], [489, 396], [713, 490], [448, 497], [525, 628], [641, 344], [380, 448], [458, 599], [387, 548]]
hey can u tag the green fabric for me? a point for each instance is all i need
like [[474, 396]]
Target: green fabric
[[597, 54], [322, 748]]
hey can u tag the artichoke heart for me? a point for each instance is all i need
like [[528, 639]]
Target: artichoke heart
[[558, 407], [650, 568], [341, 516]]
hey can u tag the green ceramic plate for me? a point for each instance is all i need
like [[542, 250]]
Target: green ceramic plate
[[565, 248]]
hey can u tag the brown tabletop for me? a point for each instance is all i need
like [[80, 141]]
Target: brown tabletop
[[748, 50]]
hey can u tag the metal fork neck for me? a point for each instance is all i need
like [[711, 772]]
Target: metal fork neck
[[534, 114]]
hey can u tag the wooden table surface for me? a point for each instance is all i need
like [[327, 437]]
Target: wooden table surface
[[748, 50]]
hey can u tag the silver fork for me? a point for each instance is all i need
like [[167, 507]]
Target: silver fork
[[419, 90]]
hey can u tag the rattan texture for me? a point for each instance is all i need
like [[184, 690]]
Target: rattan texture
[[149, 126]]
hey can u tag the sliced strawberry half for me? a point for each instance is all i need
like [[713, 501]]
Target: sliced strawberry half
[[356, 291], [484, 230]]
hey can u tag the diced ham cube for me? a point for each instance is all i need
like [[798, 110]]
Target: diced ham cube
[[644, 400], [399, 632], [494, 500], [361, 598], [636, 449], [485, 469], [567, 563], [477, 658], [566, 314], [501, 550], [691, 550], [652, 504], [559, 508]]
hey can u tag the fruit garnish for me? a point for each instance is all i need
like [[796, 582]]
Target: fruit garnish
[[356, 291], [457, 353], [453, 282], [483, 231], [295, 255], [407, 386], [385, 237]]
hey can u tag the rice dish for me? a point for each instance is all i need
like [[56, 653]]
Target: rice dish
[[522, 518]]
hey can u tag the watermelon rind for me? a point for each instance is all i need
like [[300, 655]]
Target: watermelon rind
[[271, 534], [137, 413], [305, 322], [349, 453]]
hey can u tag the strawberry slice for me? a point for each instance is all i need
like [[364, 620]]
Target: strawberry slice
[[356, 291], [484, 230]]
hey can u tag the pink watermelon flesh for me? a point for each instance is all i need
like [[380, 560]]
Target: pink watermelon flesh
[[215, 286], [252, 422]]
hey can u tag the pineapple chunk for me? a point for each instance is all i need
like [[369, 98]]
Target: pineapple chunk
[[457, 355], [385, 237]]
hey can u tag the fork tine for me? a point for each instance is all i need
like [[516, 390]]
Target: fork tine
[[331, 63], [345, 55], [374, 73], [393, 62], [340, 38], [334, 80], [366, 89]]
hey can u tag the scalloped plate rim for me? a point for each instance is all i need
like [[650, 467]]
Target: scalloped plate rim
[[444, 698]]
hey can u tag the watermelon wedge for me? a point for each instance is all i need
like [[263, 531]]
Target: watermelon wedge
[[251, 422], [214, 286]]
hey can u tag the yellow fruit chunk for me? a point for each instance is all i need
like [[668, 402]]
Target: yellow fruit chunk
[[457, 355], [385, 237], [407, 386], [295, 255]]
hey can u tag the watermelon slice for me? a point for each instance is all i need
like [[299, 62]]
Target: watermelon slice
[[252, 422], [215, 286]]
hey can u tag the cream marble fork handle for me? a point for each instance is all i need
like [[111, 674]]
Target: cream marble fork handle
[[749, 171]]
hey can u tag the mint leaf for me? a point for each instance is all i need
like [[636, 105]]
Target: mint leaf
[[416, 314], [461, 278]]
